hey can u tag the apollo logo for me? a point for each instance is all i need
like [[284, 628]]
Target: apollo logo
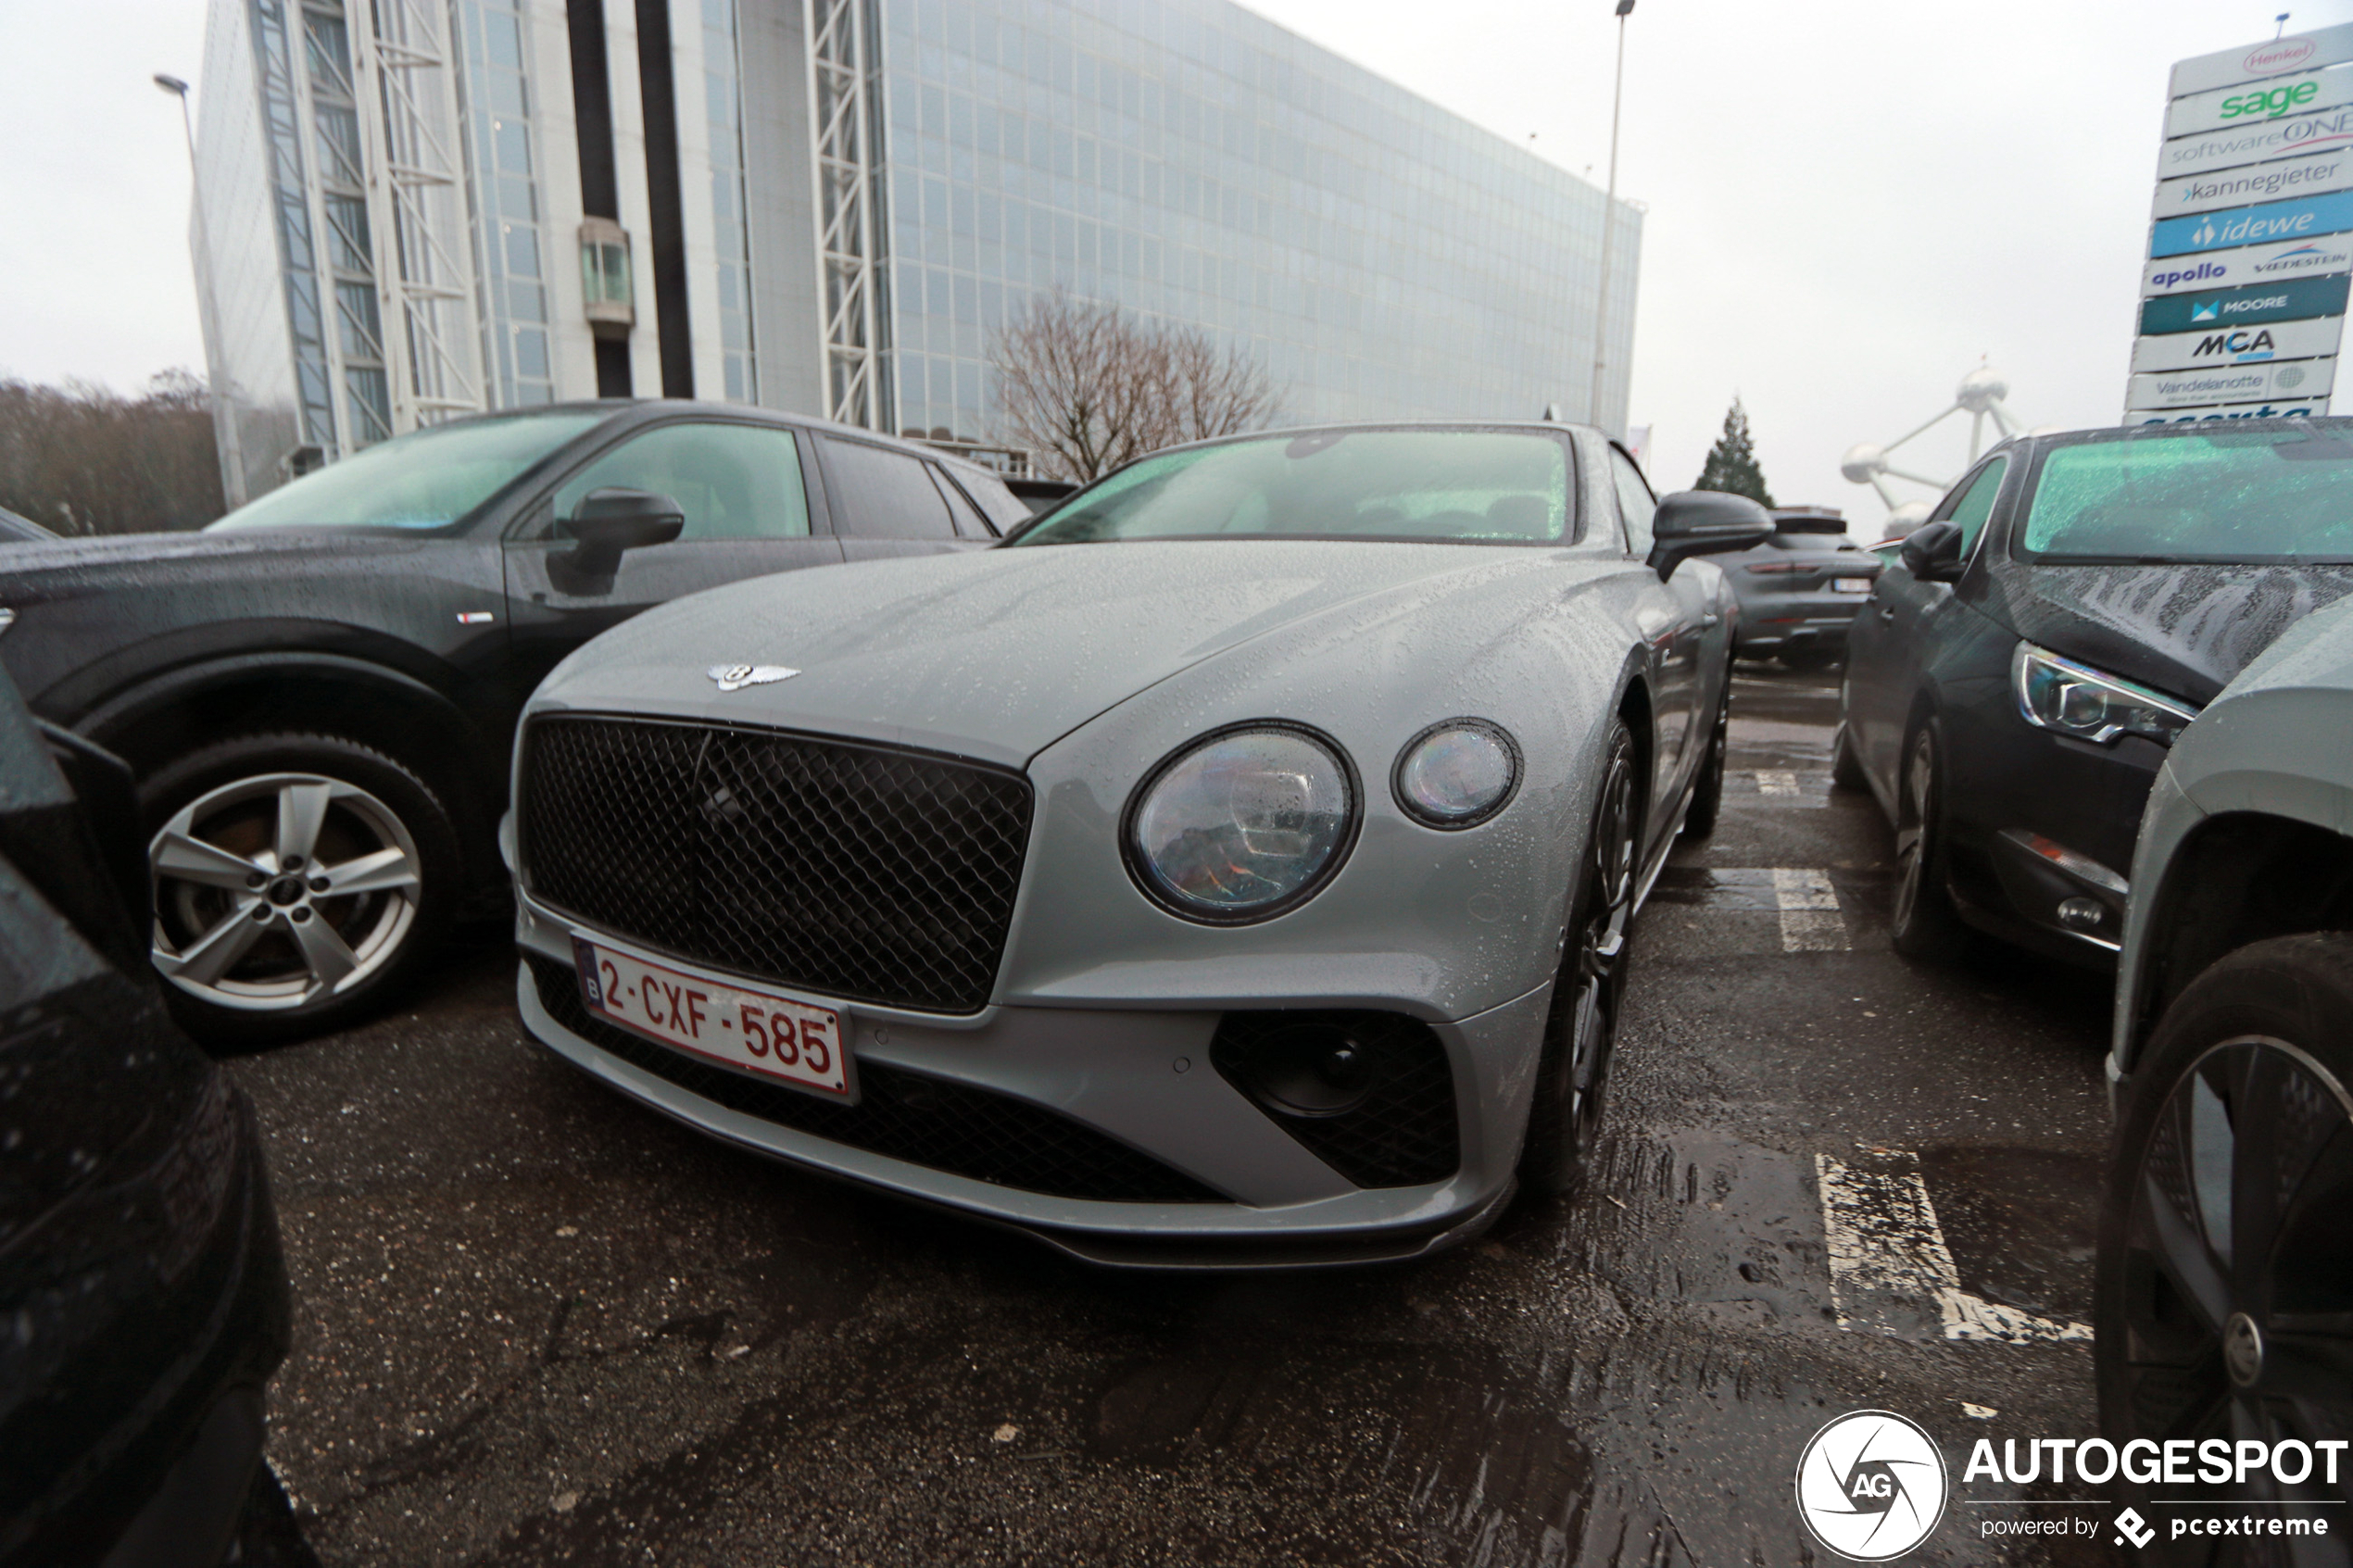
[[1872, 1485]]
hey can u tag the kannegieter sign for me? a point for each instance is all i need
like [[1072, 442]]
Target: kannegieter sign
[[2243, 298]]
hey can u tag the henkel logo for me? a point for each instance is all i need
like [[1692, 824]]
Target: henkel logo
[[2280, 54]]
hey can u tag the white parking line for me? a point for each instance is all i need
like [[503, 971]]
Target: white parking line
[[1810, 920], [1776, 781], [1887, 1252]]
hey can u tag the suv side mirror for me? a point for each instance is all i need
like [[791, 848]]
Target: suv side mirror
[[1932, 552], [1704, 522], [613, 520]]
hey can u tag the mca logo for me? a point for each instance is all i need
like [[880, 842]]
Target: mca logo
[[1872, 1485]]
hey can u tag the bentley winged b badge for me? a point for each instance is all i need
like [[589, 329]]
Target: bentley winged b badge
[[735, 677]]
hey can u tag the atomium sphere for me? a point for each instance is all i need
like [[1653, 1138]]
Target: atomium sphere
[[1981, 388], [1864, 462]]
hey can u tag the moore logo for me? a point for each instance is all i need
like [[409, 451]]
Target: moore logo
[[2281, 53], [1870, 1486]]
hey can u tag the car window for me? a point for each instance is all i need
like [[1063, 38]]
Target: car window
[[1004, 510], [429, 478], [1477, 486], [1969, 505], [968, 520], [1635, 502], [733, 482], [2195, 495], [885, 495]]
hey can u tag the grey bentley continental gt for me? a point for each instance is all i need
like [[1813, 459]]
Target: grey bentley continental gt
[[1234, 867]]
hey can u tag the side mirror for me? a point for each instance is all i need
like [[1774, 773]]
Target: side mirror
[[1932, 552], [1704, 522], [613, 519]]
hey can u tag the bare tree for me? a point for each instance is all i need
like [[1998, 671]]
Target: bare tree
[[1085, 387], [83, 459]]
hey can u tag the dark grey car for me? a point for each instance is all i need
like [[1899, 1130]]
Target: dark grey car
[[317, 692], [1800, 589]]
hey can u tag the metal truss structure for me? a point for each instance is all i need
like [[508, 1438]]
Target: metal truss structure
[[408, 70], [1981, 396], [842, 88]]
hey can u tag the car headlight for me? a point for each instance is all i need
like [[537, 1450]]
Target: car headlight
[[1243, 824], [1456, 773], [2074, 699]]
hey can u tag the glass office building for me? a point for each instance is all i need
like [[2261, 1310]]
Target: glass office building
[[1194, 162], [416, 208]]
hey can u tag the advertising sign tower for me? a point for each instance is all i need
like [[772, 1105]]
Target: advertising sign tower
[[2250, 247]]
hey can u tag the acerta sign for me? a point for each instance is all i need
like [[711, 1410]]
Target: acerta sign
[[2250, 247]]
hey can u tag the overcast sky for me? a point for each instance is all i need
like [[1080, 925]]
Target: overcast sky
[[1852, 202]]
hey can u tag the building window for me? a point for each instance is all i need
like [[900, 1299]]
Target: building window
[[722, 98]]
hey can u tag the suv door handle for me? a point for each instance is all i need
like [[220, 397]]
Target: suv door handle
[[1887, 612], [1710, 619]]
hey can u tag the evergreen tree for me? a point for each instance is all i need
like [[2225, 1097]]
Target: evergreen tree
[[1732, 462]]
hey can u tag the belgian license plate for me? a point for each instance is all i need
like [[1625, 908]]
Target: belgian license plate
[[774, 1037], [1850, 584]]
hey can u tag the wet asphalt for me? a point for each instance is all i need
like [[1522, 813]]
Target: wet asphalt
[[538, 1324]]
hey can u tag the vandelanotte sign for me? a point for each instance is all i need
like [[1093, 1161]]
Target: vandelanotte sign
[[2233, 383]]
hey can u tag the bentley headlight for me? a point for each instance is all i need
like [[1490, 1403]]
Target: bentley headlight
[[2074, 699], [1456, 773], [1243, 826]]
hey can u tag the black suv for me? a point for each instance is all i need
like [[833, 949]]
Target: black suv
[[316, 694]]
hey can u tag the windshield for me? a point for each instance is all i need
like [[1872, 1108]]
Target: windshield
[[1479, 485], [2201, 495], [426, 479]]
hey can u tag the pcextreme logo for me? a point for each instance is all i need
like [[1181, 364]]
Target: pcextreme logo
[[1872, 1485]]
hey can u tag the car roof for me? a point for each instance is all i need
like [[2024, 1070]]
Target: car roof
[[649, 410]]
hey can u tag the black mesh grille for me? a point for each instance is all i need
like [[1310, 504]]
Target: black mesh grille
[[850, 871], [1402, 1134], [909, 1116]]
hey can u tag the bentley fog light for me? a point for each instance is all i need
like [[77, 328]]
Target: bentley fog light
[[1458, 773], [1245, 826], [2074, 699]]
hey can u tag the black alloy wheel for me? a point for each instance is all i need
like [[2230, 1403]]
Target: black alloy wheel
[[2224, 1304], [1566, 1117], [1708, 790], [300, 881], [1922, 923]]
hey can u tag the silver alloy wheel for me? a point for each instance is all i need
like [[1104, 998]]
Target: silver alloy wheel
[[1601, 946], [280, 890]]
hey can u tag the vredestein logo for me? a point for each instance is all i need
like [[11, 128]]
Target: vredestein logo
[[1872, 1485]]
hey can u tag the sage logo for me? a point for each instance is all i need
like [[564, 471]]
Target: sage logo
[[1870, 1486], [2272, 102]]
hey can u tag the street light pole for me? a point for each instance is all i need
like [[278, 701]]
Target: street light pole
[[1609, 221], [224, 428]]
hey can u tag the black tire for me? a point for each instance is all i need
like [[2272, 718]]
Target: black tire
[[1921, 924], [1708, 790], [1565, 1115], [319, 956], [2224, 1302], [268, 1535], [1847, 769]]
